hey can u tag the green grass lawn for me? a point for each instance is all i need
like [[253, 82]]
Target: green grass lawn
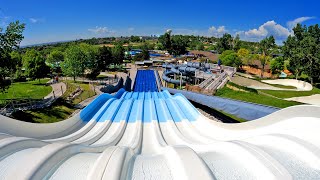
[[71, 87], [290, 94], [57, 112], [282, 86], [254, 98], [102, 76], [31, 89]]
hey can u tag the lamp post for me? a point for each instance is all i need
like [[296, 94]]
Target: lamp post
[[180, 80]]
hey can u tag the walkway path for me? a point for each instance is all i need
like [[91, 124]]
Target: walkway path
[[57, 90], [133, 73], [250, 83], [313, 99]]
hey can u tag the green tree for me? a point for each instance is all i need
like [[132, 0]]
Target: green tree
[[54, 59], [92, 65], [266, 46], [35, 65], [135, 39], [225, 43], [165, 40], [104, 57], [75, 62], [175, 45], [303, 51], [293, 53], [144, 55], [16, 59], [244, 55], [225, 53], [236, 44], [159, 46], [118, 54], [230, 58], [277, 65], [9, 40], [200, 47], [178, 45]]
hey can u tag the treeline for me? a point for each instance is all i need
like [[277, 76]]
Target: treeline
[[70, 59], [75, 60], [300, 53], [85, 58]]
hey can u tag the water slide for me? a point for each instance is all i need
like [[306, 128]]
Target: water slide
[[212, 81], [155, 135], [178, 70]]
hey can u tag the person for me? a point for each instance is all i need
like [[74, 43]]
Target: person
[[219, 65], [57, 79]]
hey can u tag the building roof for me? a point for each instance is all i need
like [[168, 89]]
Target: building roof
[[207, 54]]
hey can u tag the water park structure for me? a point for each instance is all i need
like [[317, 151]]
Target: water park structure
[[206, 76], [151, 134]]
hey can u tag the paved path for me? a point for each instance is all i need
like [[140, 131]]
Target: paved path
[[56, 90], [313, 99], [250, 83], [245, 75], [300, 85], [133, 73]]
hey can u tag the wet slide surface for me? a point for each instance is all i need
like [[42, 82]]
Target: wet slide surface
[[154, 135]]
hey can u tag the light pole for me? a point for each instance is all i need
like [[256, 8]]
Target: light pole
[[180, 80]]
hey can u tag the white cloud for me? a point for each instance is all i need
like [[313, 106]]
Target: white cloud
[[272, 28], [100, 30], [130, 29], [36, 20], [217, 31], [292, 24], [33, 20], [267, 29]]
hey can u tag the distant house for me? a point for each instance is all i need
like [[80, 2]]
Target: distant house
[[206, 54], [147, 63], [277, 55], [257, 64], [256, 68]]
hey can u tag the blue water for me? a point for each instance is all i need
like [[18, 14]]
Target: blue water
[[145, 81]]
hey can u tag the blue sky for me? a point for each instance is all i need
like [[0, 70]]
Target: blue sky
[[58, 20]]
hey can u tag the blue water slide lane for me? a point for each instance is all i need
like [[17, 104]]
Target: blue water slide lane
[[154, 95], [141, 95], [135, 95], [166, 94], [149, 113], [137, 111], [103, 109], [88, 112], [162, 111], [128, 95], [147, 95], [110, 113], [124, 111], [175, 110], [160, 95], [145, 81], [119, 93], [124, 95], [189, 110]]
